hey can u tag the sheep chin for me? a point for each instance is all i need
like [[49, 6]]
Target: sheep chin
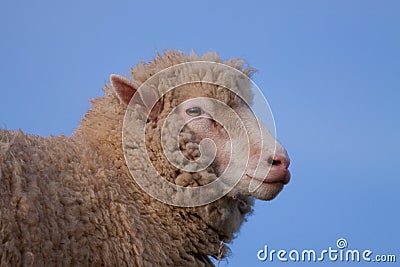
[[267, 191]]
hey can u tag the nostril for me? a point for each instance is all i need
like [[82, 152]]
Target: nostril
[[276, 162], [279, 161]]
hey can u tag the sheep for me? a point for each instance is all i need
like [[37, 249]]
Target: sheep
[[83, 200]]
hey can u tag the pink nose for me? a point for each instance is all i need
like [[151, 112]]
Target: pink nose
[[280, 161]]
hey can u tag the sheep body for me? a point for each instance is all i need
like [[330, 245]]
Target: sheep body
[[72, 207]]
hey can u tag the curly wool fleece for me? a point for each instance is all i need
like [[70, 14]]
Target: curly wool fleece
[[72, 201]]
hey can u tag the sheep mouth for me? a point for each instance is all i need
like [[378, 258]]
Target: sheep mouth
[[274, 177]]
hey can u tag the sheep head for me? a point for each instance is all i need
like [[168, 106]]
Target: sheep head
[[202, 141]]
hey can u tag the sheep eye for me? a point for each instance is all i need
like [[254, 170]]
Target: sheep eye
[[194, 111]]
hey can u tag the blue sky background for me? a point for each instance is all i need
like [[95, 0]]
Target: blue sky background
[[329, 69]]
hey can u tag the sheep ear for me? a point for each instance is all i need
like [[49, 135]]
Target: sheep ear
[[124, 87]]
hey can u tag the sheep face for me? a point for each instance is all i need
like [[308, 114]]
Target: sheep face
[[266, 172], [202, 139]]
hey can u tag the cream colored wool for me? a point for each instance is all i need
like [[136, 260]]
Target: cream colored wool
[[72, 201]]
